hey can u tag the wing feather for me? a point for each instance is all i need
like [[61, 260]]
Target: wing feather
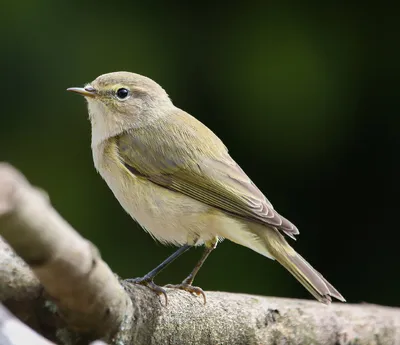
[[210, 176]]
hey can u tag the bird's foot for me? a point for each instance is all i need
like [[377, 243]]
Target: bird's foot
[[148, 282], [189, 288]]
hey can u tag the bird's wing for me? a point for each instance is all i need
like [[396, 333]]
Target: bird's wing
[[207, 174]]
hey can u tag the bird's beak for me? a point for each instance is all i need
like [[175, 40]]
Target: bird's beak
[[87, 91]]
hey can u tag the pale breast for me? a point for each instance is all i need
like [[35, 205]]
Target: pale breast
[[168, 216]]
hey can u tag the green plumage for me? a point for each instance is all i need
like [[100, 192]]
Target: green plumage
[[195, 162]]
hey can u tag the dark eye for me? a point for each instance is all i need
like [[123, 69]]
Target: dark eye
[[122, 93]]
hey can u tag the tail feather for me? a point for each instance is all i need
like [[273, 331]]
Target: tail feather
[[311, 279], [332, 291]]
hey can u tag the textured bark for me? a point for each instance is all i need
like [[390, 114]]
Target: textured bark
[[86, 292], [87, 298], [245, 319]]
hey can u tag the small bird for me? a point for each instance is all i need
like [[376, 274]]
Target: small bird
[[175, 177]]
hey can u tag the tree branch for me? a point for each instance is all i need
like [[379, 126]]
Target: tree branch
[[86, 292], [90, 298]]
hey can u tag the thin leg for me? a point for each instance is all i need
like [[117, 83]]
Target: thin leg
[[188, 281], [147, 280], [190, 278], [167, 261]]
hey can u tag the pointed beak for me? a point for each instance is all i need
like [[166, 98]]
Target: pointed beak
[[86, 91]]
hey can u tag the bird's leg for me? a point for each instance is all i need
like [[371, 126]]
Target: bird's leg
[[147, 280], [187, 283]]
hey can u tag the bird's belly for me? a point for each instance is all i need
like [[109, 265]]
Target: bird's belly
[[168, 216]]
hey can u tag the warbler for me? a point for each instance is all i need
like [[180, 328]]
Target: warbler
[[175, 177]]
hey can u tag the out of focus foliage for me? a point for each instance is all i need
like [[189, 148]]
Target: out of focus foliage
[[305, 98]]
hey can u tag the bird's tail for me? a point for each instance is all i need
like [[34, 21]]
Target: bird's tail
[[311, 279]]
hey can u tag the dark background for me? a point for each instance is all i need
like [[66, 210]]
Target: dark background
[[305, 98]]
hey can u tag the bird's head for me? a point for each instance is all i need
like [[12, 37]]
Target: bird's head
[[120, 101]]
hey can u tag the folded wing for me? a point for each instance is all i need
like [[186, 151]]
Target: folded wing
[[210, 176]]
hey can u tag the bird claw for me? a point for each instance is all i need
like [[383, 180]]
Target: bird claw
[[151, 285], [189, 288]]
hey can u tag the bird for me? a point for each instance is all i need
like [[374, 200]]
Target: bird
[[176, 178]]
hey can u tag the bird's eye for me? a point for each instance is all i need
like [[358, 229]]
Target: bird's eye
[[122, 93]]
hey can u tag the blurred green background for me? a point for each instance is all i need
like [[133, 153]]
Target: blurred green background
[[306, 99]]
